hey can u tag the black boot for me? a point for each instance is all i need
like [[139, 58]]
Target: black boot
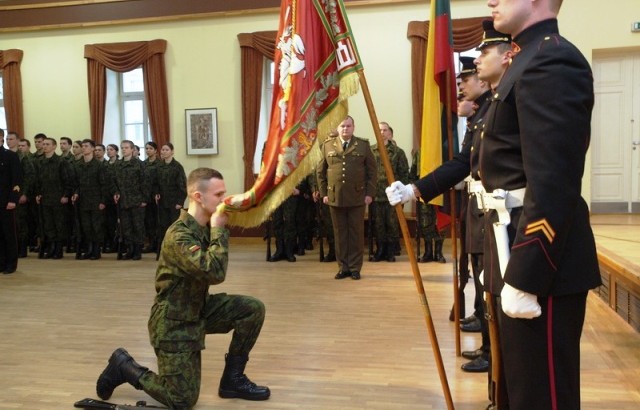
[[22, 249], [300, 247], [397, 249], [121, 369], [390, 252], [49, 250], [279, 255], [57, 251], [234, 383], [437, 252], [331, 256], [88, 252], [96, 252], [428, 252], [136, 255], [381, 251], [129, 253], [290, 250]]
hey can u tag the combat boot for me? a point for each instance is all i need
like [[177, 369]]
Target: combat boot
[[331, 256], [437, 251], [88, 253], [390, 255], [96, 252], [121, 369], [279, 255], [290, 250], [22, 249], [49, 250], [428, 252], [129, 253], [381, 251], [235, 384], [57, 251], [136, 255]]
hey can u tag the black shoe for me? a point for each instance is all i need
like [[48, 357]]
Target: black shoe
[[472, 354], [342, 275], [473, 327], [331, 257], [468, 319], [477, 365], [355, 275]]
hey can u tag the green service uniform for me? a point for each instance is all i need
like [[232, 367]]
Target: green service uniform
[[194, 257]]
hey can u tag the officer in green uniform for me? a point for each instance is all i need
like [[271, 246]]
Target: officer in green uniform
[[194, 256], [55, 186], [385, 220], [347, 183], [90, 197], [130, 190]]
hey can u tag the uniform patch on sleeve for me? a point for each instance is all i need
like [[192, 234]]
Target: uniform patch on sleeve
[[16, 188], [543, 226], [194, 248]]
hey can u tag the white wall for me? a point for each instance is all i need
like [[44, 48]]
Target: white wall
[[203, 68]]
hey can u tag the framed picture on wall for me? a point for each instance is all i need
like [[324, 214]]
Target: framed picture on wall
[[202, 131]]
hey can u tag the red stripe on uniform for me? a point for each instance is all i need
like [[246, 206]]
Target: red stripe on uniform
[[552, 374]]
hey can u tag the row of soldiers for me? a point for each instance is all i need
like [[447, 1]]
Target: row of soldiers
[[93, 204], [303, 216]]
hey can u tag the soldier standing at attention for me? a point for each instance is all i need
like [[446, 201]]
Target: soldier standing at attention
[[54, 188], [111, 213], [130, 192], [10, 180], [65, 147], [98, 153], [37, 141], [386, 225], [151, 210], [347, 183], [171, 188], [194, 255], [90, 197]]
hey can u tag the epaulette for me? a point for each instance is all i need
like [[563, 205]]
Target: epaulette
[[361, 139]]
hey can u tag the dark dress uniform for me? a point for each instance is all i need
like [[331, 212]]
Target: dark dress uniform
[[346, 176], [10, 191], [536, 135]]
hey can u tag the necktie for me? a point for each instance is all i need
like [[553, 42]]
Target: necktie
[[344, 146]]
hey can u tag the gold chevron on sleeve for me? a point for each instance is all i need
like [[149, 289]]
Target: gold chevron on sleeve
[[543, 226]]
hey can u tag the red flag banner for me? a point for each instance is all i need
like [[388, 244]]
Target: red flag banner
[[316, 71], [439, 61]]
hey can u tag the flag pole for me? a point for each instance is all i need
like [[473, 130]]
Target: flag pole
[[407, 241], [454, 234]]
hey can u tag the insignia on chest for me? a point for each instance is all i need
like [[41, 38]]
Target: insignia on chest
[[194, 248]]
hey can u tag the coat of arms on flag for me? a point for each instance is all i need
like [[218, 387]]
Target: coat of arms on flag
[[316, 71]]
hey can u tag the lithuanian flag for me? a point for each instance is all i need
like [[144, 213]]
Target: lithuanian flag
[[437, 84]]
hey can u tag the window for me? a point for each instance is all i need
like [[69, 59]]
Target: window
[[268, 77], [126, 115], [3, 118]]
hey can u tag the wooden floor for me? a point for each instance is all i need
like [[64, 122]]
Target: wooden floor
[[326, 344]]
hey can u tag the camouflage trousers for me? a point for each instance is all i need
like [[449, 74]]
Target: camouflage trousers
[[385, 222], [428, 222], [177, 383], [132, 221], [284, 220], [23, 222], [92, 225], [166, 217], [54, 223], [151, 222]]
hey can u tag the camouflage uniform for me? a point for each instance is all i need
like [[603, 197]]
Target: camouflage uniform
[[69, 212], [427, 220], [193, 257], [387, 228], [92, 190], [129, 181], [151, 210], [111, 213], [285, 230], [171, 184], [55, 181], [28, 188]]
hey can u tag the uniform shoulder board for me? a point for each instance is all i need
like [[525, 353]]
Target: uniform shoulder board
[[361, 139]]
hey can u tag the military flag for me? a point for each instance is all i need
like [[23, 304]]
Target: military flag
[[316, 71], [437, 85]]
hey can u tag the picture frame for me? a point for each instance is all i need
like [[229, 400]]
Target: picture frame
[[202, 131]]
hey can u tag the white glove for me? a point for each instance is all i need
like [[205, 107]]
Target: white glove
[[398, 192], [519, 304], [481, 277]]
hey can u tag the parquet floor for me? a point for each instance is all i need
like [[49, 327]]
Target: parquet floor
[[326, 344]]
